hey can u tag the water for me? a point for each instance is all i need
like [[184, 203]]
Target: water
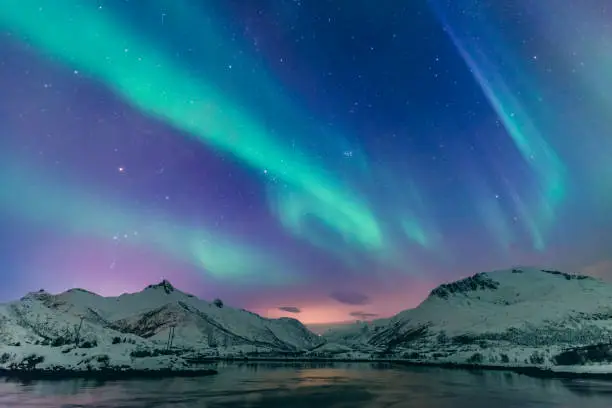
[[319, 386]]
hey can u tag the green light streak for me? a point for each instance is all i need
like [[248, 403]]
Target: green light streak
[[416, 218], [414, 231], [494, 219], [549, 171], [86, 38]]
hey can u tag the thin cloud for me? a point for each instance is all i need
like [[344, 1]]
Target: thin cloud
[[350, 298], [290, 309], [363, 315]]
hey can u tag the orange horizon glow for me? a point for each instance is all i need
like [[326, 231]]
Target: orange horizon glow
[[331, 312]]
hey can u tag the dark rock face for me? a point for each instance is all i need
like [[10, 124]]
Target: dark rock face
[[152, 321], [567, 276], [480, 281], [165, 285], [399, 334]]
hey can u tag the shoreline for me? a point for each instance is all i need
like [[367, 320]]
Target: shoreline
[[109, 374], [535, 372], [531, 371], [106, 374]]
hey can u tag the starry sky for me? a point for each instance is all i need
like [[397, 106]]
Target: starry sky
[[324, 160]]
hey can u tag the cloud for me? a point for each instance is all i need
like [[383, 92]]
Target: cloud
[[602, 269], [363, 315], [290, 309], [350, 298]]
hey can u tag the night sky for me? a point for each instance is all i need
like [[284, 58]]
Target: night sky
[[325, 160]]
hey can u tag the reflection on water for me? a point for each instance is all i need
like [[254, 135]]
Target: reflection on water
[[316, 385]]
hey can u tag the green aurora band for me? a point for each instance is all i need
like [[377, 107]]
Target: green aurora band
[[78, 213], [92, 41]]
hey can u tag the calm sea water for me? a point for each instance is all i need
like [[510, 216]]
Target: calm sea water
[[317, 385]]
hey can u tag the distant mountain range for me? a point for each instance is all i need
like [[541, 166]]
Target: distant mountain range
[[510, 318], [322, 328]]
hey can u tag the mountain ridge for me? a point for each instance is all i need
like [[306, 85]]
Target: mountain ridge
[[154, 326], [521, 318]]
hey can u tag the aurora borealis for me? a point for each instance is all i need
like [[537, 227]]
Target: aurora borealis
[[301, 158]]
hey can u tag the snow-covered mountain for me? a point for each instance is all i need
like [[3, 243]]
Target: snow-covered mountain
[[74, 329], [515, 318], [519, 316]]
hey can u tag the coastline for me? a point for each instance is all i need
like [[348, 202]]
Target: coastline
[[102, 374], [105, 374], [560, 372]]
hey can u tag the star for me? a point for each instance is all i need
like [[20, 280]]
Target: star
[[286, 141]]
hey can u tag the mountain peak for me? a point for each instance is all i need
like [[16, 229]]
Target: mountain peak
[[164, 285], [492, 281], [480, 281], [508, 313]]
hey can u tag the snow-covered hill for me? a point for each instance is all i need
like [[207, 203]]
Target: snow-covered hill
[[154, 328], [510, 317]]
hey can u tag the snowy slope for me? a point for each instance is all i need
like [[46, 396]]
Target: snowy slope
[[528, 314], [77, 328], [150, 314]]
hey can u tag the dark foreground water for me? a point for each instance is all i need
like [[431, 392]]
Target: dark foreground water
[[317, 386]]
